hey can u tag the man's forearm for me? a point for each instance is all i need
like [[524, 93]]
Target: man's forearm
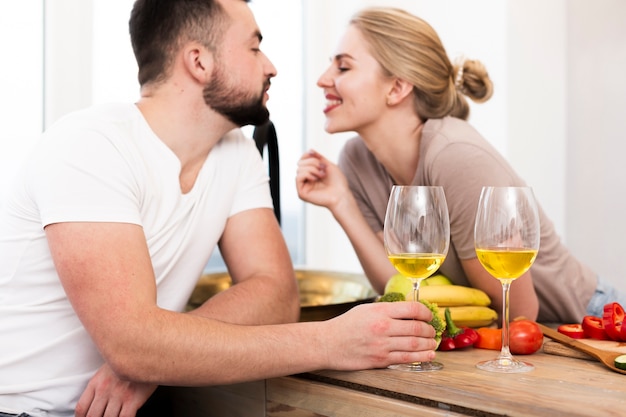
[[253, 302]]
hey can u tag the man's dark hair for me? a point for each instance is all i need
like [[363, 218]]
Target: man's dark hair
[[159, 27]]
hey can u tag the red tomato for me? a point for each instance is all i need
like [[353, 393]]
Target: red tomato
[[489, 338], [594, 328], [612, 320], [525, 337], [575, 331]]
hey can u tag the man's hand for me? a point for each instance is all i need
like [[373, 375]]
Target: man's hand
[[379, 335], [108, 396]]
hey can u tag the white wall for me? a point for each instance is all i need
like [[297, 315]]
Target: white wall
[[536, 94], [596, 171], [68, 58], [21, 84]]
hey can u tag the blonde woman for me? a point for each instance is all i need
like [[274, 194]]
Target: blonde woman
[[391, 82]]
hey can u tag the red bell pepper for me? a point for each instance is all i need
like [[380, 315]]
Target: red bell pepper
[[575, 331], [455, 337], [594, 329], [623, 332], [612, 319]]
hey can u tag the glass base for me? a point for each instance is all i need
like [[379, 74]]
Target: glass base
[[505, 365], [417, 366]]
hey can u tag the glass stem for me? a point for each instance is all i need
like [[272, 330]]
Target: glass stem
[[505, 352], [416, 289], [416, 297]]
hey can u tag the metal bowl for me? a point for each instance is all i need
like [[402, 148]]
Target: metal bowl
[[323, 294]]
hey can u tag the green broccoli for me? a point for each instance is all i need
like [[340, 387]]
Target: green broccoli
[[437, 322], [391, 297]]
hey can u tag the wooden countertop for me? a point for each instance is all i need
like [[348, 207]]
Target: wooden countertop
[[558, 386]]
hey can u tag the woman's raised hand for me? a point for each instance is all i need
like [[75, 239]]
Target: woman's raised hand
[[320, 181]]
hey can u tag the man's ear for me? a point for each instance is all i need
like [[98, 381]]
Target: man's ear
[[399, 90], [198, 61]]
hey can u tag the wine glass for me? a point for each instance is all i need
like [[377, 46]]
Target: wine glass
[[506, 236], [417, 237]]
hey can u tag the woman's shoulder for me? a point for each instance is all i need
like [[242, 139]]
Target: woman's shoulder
[[354, 149], [355, 156], [354, 144], [451, 128]]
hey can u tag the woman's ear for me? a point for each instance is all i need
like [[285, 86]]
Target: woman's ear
[[399, 90], [198, 61]]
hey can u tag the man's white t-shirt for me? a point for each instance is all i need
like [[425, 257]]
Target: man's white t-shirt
[[104, 164]]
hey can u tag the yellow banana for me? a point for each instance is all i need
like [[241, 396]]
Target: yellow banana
[[470, 316], [454, 295]]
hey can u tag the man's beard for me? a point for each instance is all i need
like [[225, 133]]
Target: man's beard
[[239, 107]]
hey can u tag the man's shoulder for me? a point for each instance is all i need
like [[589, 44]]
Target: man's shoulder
[[235, 136], [101, 118], [235, 141]]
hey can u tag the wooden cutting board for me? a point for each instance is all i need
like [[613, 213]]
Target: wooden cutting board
[[555, 348]]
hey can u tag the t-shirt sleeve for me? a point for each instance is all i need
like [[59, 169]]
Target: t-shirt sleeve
[[82, 178]]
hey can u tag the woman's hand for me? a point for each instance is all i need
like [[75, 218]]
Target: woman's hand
[[320, 182]]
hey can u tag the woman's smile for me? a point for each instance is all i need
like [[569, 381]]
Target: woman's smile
[[332, 102]]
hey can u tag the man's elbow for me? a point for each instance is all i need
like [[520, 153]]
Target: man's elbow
[[293, 312]]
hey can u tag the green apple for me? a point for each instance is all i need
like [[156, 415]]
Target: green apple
[[437, 279], [399, 283]]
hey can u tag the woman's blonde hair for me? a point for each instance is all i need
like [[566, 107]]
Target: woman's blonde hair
[[409, 48]]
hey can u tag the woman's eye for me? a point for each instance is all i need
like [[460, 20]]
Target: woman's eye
[[342, 69]]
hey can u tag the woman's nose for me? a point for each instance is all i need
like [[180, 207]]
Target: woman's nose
[[324, 80]]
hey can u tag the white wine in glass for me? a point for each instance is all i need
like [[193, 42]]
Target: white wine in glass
[[417, 237], [506, 235]]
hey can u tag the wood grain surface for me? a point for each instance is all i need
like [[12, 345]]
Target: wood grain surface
[[556, 348], [558, 386]]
